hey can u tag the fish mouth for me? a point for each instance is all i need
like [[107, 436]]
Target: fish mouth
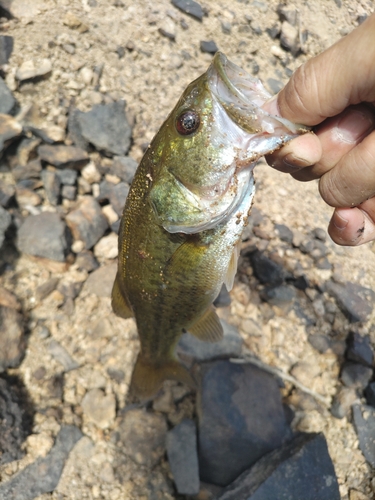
[[242, 96]]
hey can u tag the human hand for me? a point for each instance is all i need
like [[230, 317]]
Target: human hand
[[335, 94]]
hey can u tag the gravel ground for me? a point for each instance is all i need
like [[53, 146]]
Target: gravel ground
[[79, 356]]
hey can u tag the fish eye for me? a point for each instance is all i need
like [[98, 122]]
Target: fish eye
[[188, 122]]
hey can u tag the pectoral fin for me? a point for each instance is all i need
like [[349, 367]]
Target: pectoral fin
[[120, 305], [232, 267], [208, 328]]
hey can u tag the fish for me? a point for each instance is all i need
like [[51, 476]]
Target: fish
[[187, 206]]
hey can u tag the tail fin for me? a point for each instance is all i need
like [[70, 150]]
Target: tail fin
[[148, 377]]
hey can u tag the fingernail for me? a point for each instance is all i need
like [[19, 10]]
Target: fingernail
[[338, 221], [353, 126], [295, 162]]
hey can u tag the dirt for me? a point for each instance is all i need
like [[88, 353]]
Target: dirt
[[150, 76]]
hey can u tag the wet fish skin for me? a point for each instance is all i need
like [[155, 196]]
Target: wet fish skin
[[184, 215]]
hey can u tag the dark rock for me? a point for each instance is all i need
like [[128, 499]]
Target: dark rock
[[355, 301], [9, 130], [237, 426], [67, 176], [61, 355], [52, 183], [106, 127], [167, 34], [266, 270], [74, 129], [43, 475], [7, 101], [359, 349], [274, 85], [286, 13], [142, 436], [116, 226], [6, 48], [14, 422], [208, 46], [62, 156], [301, 469], [7, 192], [86, 261], [100, 282], [116, 374], [117, 197], [230, 345], [105, 190], [223, 299], [87, 223], [30, 171], [301, 282], [43, 235], [278, 295], [69, 192], [12, 339], [189, 7], [355, 375], [361, 18], [46, 288], [370, 394], [183, 457], [320, 233], [5, 221], [284, 233], [364, 423], [342, 402], [124, 167], [323, 263]]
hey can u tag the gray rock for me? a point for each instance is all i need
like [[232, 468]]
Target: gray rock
[[142, 437], [183, 457], [289, 38], [364, 423], [62, 156], [208, 46], [43, 235], [32, 170], [74, 129], [43, 475], [5, 220], [320, 233], [266, 270], [301, 469], [355, 301], [87, 222], [124, 167], [61, 355], [342, 402], [6, 48], [100, 408], [7, 192], [189, 7], [320, 342], [100, 282], [117, 197], [7, 101], [67, 176], [12, 339], [14, 422], [106, 127], [287, 13], [69, 192], [229, 346], [241, 418], [360, 349], [274, 30], [284, 233], [46, 288], [9, 130], [86, 261], [223, 299], [274, 85], [355, 375], [52, 184], [281, 295], [105, 190], [370, 394]]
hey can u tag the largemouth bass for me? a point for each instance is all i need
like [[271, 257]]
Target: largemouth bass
[[184, 215]]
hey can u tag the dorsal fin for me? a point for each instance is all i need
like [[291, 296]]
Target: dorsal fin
[[208, 327]]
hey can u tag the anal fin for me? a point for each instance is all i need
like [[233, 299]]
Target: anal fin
[[120, 305], [208, 328]]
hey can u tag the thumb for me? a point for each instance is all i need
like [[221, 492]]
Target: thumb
[[325, 85]]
